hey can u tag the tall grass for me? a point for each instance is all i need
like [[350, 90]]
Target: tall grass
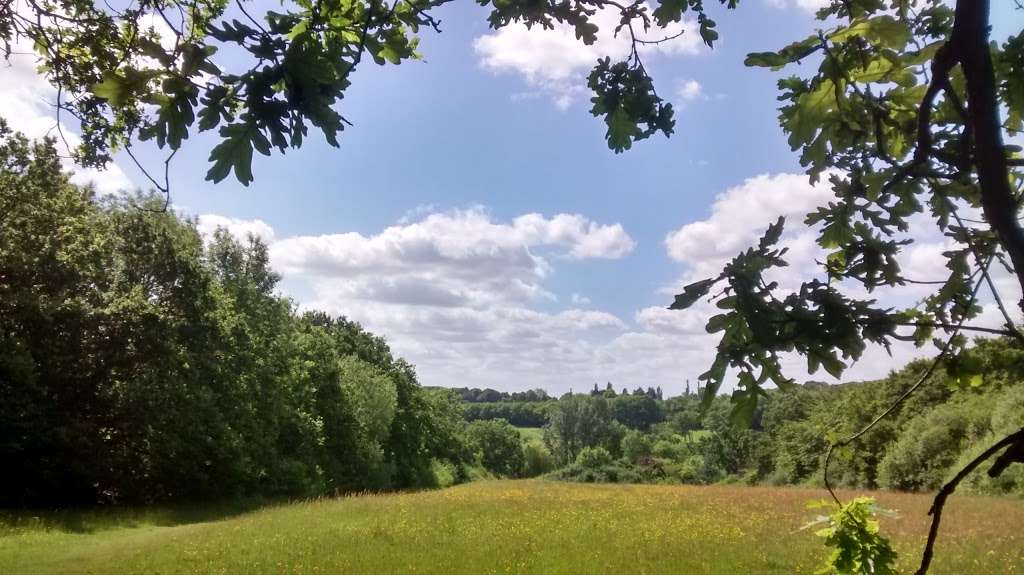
[[502, 527]]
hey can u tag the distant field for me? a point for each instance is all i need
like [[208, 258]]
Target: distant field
[[504, 527], [532, 433]]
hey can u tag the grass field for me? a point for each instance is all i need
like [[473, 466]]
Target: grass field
[[501, 527], [528, 434]]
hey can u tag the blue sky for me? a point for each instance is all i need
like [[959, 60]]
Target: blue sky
[[415, 226], [450, 134]]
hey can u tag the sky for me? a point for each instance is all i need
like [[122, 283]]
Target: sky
[[475, 218]]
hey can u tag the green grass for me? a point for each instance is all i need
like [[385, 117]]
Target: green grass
[[698, 434], [502, 527], [534, 434]]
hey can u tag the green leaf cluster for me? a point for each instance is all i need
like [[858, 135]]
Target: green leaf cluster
[[853, 531]]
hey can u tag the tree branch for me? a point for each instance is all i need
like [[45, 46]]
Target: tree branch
[[940, 498], [899, 401]]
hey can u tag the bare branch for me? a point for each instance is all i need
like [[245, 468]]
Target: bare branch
[[940, 498]]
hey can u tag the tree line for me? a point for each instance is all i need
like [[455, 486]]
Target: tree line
[[488, 395], [948, 422], [140, 362]]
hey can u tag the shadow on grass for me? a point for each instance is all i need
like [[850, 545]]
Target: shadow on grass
[[94, 519]]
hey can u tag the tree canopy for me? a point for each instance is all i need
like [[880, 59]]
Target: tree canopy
[[140, 363]]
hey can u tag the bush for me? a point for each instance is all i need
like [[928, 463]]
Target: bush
[[674, 447], [445, 474], [594, 458], [691, 471], [538, 460], [635, 446], [1007, 417], [497, 445], [931, 444]]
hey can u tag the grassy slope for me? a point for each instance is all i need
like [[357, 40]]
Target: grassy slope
[[505, 527]]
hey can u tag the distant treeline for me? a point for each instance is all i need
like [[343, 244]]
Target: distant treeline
[[610, 437], [488, 395]]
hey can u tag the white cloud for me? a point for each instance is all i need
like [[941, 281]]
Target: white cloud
[[455, 258], [670, 322], [460, 295], [740, 215], [466, 297], [207, 224], [809, 6], [688, 91], [555, 62], [27, 104], [579, 299]]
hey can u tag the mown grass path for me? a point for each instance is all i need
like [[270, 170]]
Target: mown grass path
[[506, 527]]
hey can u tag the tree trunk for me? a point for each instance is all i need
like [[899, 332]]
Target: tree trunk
[[971, 44]]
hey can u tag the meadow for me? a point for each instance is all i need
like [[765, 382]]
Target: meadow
[[526, 526], [534, 434]]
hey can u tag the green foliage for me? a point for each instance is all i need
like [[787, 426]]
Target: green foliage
[[537, 459], [733, 449], [884, 117], [498, 447], [859, 548], [624, 94], [933, 433], [518, 413], [578, 422], [593, 458], [636, 412], [636, 446], [290, 69], [139, 363], [934, 444], [931, 443]]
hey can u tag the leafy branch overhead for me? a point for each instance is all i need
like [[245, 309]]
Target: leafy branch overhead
[[901, 116], [151, 71]]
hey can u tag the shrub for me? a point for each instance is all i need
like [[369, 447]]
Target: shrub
[[674, 447], [497, 445], [538, 460], [594, 458], [636, 445], [931, 444]]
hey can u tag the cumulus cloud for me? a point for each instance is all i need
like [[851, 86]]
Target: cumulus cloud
[[739, 217], [662, 320], [241, 229], [467, 297], [456, 258], [555, 62], [688, 91]]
